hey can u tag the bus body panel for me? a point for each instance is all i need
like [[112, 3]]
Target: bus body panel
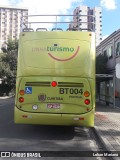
[[60, 55], [66, 97], [55, 119], [64, 58]]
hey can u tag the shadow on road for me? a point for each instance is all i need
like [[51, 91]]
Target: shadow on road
[[37, 132]]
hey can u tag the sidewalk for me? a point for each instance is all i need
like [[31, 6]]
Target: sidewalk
[[6, 99], [107, 125]]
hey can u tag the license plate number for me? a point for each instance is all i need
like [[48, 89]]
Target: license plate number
[[53, 105]]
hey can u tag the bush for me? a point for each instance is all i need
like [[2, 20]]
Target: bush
[[8, 67]]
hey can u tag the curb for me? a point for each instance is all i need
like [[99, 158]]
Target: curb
[[105, 142], [7, 97]]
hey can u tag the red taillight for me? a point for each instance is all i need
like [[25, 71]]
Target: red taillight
[[24, 116], [21, 99], [22, 92], [81, 118], [54, 83], [87, 101]]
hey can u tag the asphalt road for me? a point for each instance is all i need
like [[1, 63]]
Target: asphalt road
[[19, 137]]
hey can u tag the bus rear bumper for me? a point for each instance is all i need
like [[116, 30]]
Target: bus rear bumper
[[86, 119]]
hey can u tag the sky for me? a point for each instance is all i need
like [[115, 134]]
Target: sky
[[110, 9]]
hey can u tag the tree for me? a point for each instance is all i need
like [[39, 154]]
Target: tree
[[8, 65], [101, 64]]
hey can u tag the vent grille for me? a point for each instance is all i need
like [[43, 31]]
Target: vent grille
[[60, 84], [38, 84], [70, 84]]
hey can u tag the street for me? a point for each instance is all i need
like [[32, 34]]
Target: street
[[19, 137]]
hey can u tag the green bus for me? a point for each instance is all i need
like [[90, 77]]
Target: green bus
[[55, 82]]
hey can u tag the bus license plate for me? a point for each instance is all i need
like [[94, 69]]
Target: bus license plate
[[53, 105]]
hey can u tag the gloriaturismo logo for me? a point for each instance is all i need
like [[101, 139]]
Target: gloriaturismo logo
[[65, 49], [58, 53]]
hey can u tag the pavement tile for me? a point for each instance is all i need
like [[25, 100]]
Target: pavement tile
[[107, 123]]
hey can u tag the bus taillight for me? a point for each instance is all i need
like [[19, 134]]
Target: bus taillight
[[22, 92], [87, 101], [86, 94], [21, 99], [54, 83]]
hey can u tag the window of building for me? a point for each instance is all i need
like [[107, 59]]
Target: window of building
[[110, 52], [105, 52], [118, 49]]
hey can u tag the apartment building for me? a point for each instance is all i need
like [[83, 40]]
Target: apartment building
[[88, 18], [111, 48], [10, 20]]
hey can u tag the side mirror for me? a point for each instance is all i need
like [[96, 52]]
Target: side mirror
[[117, 70]]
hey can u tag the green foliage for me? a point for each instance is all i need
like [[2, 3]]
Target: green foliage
[[11, 46], [8, 66], [101, 61]]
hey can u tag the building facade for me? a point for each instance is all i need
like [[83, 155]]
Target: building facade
[[87, 18], [111, 48], [10, 20]]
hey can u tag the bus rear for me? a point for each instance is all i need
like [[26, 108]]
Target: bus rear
[[56, 78]]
